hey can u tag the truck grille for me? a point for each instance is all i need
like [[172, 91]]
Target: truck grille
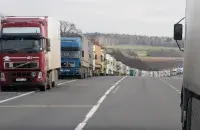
[[67, 64], [27, 80], [21, 74], [21, 65]]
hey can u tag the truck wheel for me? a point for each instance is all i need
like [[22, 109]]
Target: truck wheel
[[79, 76], [49, 81], [43, 88], [55, 83], [5, 88], [86, 75]]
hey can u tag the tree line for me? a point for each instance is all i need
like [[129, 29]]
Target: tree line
[[68, 28], [126, 39]]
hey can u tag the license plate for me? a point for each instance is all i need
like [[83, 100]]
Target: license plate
[[21, 79]]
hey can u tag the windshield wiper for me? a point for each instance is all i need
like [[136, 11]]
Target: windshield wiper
[[11, 50], [29, 50], [21, 65]]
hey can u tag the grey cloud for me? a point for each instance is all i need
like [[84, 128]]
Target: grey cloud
[[150, 17]]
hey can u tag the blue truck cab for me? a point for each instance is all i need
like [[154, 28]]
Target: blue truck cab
[[71, 54]]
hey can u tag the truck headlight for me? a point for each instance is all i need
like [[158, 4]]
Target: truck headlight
[[40, 75], [33, 74], [2, 76]]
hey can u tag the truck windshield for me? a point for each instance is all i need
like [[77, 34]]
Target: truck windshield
[[20, 45], [70, 54]]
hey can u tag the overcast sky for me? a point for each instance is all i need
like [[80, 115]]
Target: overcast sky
[[146, 17]]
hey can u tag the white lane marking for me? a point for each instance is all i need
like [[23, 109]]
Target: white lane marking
[[171, 86], [174, 78], [25, 94], [44, 106], [66, 82], [115, 90], [22, 95], [81, 125]]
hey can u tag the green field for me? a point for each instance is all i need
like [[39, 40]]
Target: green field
[[140, 49]]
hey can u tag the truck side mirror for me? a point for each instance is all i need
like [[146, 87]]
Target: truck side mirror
[[178, 31], [82, 53], [48, 49], [48, 45]]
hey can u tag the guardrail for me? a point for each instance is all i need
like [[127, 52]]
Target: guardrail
[[161, 73]]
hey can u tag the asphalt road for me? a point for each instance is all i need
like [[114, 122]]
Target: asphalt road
[[110, 103]]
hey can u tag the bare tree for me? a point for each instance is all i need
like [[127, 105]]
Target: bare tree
[[78, 31], [67, 28], [72, 29], [63, 27]]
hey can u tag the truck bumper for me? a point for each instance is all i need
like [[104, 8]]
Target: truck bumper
[[23, 84], [69, 72]]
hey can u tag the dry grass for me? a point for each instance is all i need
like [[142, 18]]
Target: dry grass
[[155, 59]]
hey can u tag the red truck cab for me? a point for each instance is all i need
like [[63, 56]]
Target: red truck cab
[[23, 45]]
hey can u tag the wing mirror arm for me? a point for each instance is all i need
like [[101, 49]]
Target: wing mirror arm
[[48, 45], [178, 33]]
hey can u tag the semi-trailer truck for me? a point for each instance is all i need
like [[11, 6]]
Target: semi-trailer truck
[[98, 66], [91, 58], [119, 68], [127, 70], [132, 72], [108, 64], [114, 66], [75, 59], [94, 64], [123, 69], [103, 62], [190, 94], [29, 52]]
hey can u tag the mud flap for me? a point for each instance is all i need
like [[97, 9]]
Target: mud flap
[[191, 111], [195, 114]]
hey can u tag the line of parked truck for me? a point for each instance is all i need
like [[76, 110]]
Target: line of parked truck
[[33, 53], [82, 58], [161, 73]]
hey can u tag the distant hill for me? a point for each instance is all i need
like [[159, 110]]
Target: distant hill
[[145, 64], [125, 39]]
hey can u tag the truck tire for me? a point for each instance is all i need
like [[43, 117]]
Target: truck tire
[[55, 83], [80, 76], [49, 81], [5, 88], [43, 87]]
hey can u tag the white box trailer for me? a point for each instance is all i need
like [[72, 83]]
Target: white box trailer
[[112, 65], [127, 70], [54, 60], [94, 49], [123, 69], [108, 64], [119, 68], [85, 48]]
